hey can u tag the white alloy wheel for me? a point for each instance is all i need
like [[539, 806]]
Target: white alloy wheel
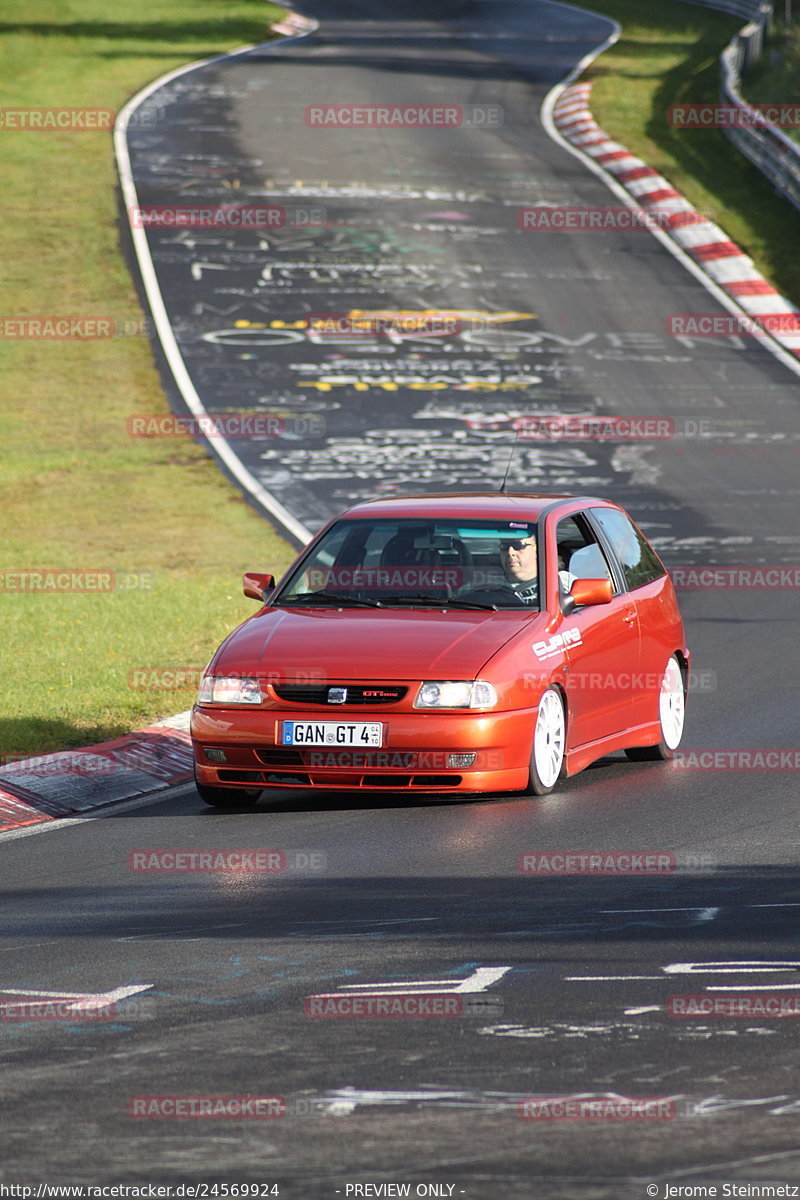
[[671, 705], [549, 743], [671, 715]]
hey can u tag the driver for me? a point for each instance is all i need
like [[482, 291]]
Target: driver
[[519, 562]]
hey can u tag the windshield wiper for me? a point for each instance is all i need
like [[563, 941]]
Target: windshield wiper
[[432, 602], [323, 598], [455, 603]]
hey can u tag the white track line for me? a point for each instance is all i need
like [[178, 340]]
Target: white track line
[[220, 446]]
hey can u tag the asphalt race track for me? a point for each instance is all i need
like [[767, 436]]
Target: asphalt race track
[[574, 972], [418, 220]]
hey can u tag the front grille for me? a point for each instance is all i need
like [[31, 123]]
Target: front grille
[[361, 693]]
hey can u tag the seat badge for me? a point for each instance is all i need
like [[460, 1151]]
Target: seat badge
[[337, 695]]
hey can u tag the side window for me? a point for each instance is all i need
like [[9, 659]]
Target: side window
[[640, 563], [579, 554]]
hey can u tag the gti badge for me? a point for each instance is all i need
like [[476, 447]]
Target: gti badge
[[337, 695]]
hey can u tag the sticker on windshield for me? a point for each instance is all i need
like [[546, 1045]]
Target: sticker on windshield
[[557, 643]]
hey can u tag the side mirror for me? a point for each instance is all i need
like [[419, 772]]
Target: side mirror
[[591, 591], [258, 587], [586, 592]]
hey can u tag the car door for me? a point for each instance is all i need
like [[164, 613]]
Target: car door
[[650, 590], [603, 641]]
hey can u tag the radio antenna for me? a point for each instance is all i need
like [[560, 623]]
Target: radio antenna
[[508, 464]]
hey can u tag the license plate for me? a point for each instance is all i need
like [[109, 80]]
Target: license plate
[[332, 733]]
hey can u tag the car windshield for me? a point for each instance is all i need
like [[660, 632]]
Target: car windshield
[[417, 563]]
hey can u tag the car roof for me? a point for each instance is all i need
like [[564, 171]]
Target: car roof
[[470, 505]]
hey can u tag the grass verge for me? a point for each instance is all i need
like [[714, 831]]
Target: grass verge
[[775, 79], [669, 54], [76, 492]]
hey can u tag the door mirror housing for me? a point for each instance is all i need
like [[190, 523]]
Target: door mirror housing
[[586, 592], [257, 586]]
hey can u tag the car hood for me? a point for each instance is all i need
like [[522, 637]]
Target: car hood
[[364, 644]]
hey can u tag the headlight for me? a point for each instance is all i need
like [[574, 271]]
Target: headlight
[[447, 693], [229, 689]]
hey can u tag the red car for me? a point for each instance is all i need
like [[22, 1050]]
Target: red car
[[447, 643]]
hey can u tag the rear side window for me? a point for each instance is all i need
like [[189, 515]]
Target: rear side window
[[640, 563]]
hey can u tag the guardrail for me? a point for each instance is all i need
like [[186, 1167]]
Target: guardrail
[[736, 8], [770, 150]]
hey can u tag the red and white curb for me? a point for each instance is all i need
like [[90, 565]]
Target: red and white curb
[[51, 786], [708, 245]]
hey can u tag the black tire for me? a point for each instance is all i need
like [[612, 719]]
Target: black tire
[[228, 797], [548, 751]]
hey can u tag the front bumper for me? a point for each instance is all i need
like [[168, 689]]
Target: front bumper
[[414, 755]]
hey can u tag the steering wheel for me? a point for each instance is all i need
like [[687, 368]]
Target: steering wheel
[[502, 597]]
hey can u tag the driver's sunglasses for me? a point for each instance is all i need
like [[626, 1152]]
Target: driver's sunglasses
[[518, 545]]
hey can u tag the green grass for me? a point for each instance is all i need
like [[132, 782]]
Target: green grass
[[75, 491], [775, 79], [669, 54]]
